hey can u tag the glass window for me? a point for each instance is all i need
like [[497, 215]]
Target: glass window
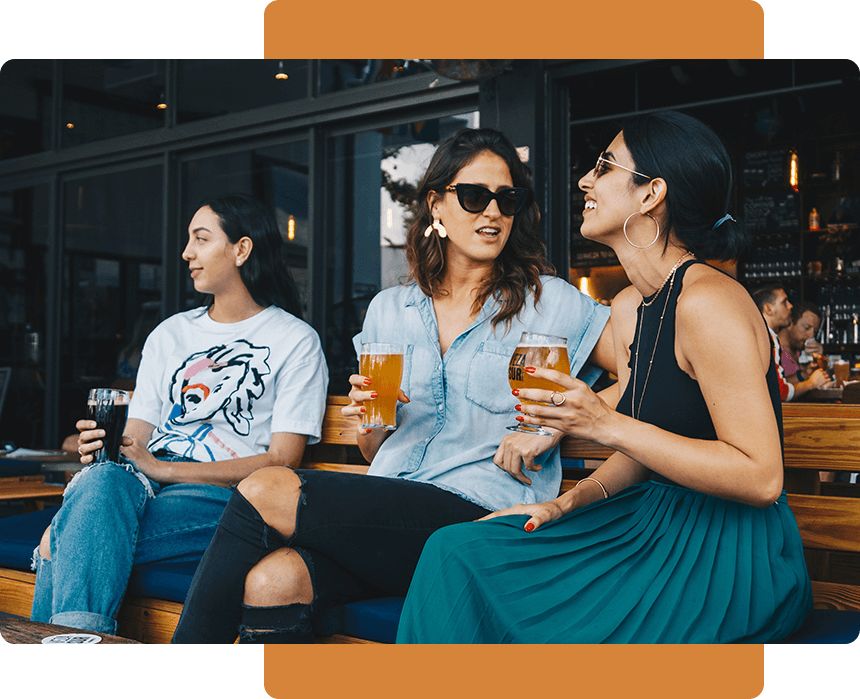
[[23, 250], [108, 98], [26, 89], [111, 279], [218, 87], [370, 193], [344, 74], [277, 176]]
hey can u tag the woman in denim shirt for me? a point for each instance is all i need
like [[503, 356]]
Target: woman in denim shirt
[[290, 543]]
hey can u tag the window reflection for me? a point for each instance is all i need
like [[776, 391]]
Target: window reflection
[[112, 280], [23, 248], [108, 98], [25, 107], [209, 88]]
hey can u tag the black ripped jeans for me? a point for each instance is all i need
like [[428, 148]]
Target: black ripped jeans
[[360, 537]]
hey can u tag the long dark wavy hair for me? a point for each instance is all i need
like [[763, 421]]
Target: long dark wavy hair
[[523, 259], [265, 273]]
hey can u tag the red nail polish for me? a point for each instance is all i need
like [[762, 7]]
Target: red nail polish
[[518, 407], [520, 418], [530, 370], [373, 394], [516, 391], [367, 382], [530, 526], [362, 409]]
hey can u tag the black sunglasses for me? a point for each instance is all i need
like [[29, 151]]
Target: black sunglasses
[[474, 198]]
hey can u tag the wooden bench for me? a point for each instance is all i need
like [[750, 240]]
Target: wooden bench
[[816, 437]]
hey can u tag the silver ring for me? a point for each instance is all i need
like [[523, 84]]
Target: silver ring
[[80, 452], [554, 394]]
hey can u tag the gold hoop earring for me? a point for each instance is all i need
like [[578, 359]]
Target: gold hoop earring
[[437, 225], [656, 237]]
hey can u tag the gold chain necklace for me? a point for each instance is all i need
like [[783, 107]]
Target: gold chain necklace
[[671, 280], [671, 274]]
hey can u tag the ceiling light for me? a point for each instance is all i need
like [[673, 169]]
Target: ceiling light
[[281, 75], [70, 125]]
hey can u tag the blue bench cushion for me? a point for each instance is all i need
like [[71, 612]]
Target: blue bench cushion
[[166, 580], [371, 620], [20, 534], [828, 626], [18, 467]]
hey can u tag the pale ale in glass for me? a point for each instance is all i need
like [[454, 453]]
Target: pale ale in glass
[[537, 350], [383, 365]]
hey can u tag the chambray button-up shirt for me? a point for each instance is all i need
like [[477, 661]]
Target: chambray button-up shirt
[[461, 403]]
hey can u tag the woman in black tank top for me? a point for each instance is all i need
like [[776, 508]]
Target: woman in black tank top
[[684, 534]]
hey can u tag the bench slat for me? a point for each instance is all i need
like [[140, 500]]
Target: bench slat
[[827, 522], [835, 596], [826, 444]]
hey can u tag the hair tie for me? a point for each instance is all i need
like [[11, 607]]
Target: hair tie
[[727, 217]]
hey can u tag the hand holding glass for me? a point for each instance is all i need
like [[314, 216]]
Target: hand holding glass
[[383, 365], [109, 408], [537, 350]]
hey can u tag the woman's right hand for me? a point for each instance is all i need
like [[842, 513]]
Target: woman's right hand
[[361, 391], [89, 439]]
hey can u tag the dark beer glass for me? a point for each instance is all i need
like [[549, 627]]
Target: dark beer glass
[[109, 408]]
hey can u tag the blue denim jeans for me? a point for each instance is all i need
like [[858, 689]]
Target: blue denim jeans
[[112, 518]]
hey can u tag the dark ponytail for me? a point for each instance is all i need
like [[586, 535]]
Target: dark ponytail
[[265, 273], [698, 172]]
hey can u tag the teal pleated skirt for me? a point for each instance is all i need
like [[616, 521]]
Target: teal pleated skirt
[[656, 563]]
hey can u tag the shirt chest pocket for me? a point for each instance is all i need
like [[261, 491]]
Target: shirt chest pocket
[[487, 380]]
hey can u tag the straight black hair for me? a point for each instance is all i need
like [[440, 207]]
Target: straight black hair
[[265, 273]]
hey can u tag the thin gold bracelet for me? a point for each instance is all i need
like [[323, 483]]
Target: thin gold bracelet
[[605, 494]]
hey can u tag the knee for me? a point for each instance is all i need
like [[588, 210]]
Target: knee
[[107, 480], [271, 487], [45, 544], [280, 578]]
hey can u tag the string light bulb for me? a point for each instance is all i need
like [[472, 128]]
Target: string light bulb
[[291, 228], [794, 171], [281, 75], [70, 125]]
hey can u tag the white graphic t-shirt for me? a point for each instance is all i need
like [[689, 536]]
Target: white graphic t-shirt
[[217, 391]]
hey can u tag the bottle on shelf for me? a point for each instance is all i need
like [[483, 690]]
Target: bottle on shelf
[[814, 220]]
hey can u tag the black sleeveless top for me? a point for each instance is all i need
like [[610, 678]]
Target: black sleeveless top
[[672, 400]]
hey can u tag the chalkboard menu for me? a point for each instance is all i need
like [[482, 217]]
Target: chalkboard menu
[[771, 213], [763, 168]]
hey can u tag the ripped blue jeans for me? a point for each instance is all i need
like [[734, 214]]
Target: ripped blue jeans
[[112, 518]]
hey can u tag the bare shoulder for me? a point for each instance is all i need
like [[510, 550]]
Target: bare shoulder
[[625, 302], [714, 296], [716, 312]]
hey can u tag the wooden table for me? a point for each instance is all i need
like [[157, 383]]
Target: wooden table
[[16, 630]]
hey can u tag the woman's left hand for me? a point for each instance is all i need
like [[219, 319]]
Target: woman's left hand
[[581, 412], [143, 460], [539, 513], [518, 451]]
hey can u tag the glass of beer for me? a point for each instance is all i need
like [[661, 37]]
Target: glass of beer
[[841, 370], [383, 364], [109, 408], [537, 350]]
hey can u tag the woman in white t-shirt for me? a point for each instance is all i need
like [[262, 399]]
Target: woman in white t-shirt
[[210, 407]]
